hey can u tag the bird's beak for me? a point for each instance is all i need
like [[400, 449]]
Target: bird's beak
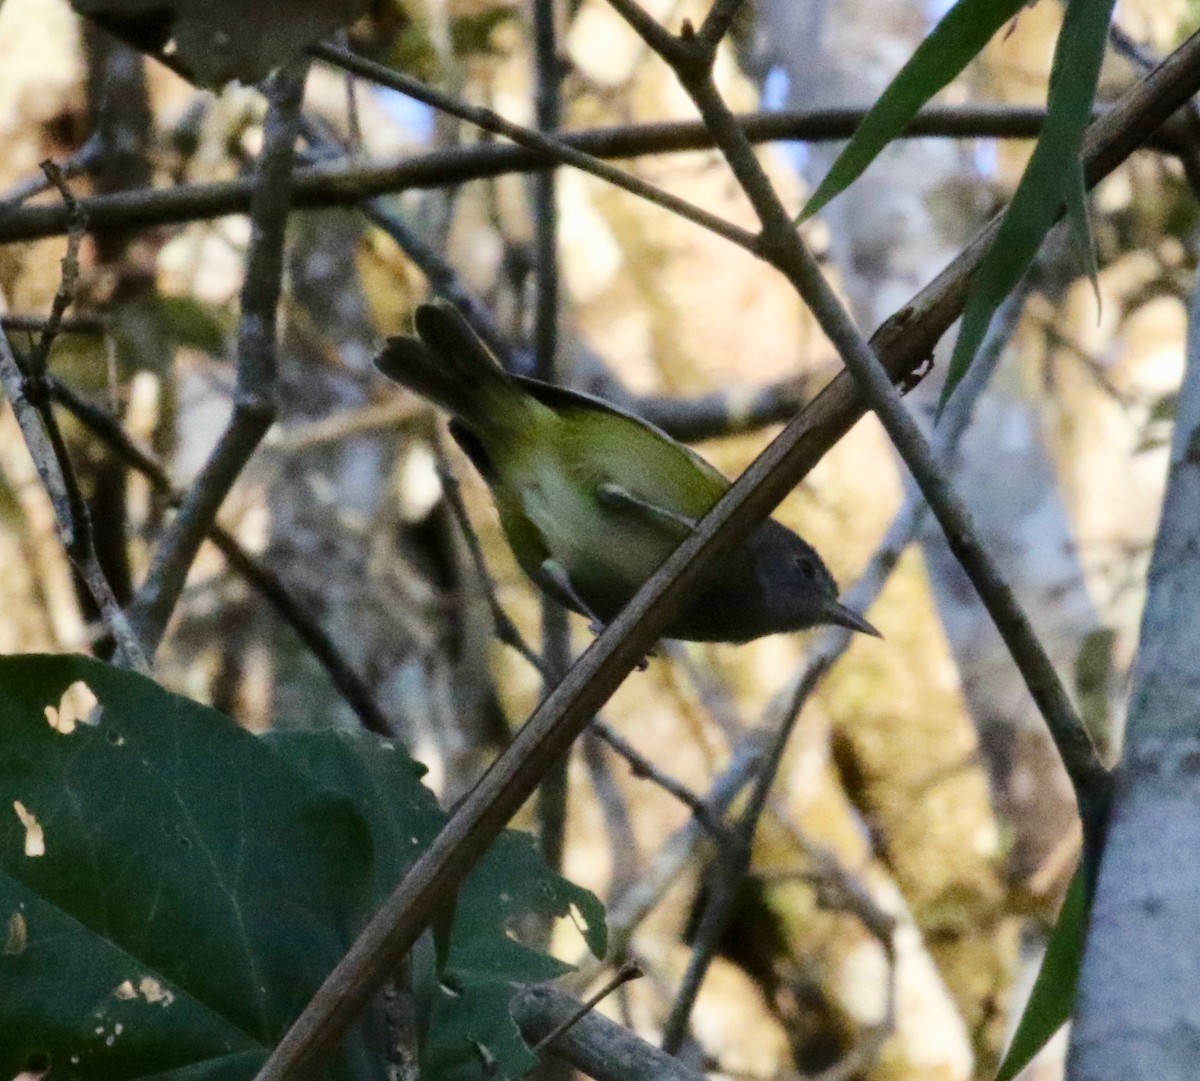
[[838, 613]]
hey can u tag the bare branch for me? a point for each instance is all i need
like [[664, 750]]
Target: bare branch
[[718, 21], [49, 454], [643, 767], [259, 576], [555, 149], [628, 971], [65, 294], [28, 392], [342, 184], [551, 808], [599, 1047], [37, 324], [254, 404]]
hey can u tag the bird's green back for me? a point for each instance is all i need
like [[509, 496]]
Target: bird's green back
[[546, 475]]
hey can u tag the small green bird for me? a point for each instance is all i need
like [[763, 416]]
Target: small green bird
[[593, 499]]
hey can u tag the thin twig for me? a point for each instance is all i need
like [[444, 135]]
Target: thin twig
[[643, 767], [719, 20], [630, 970], [600, 1048], [551, 807], [254, 402], [48, 450], [39, 182], [506, 630], [614, 809], [65, 294], [29, 394], [556, 150], [257, 574]]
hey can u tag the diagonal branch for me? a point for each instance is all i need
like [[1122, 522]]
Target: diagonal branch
[[48, 451], [904, 344], [554, 149], [254, 402]]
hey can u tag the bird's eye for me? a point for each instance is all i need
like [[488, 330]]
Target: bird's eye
[[806, 567]]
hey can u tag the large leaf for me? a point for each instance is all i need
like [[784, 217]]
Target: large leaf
[[173, 890], [1053, 996], [1048, 178], [192, 894], [956, 40]]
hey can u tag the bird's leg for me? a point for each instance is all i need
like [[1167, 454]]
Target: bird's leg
[[615, 497], [554, 579]]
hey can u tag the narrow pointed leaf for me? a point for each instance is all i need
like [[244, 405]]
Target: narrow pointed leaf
[[1044, 186], [1053, 996], [956, 40]]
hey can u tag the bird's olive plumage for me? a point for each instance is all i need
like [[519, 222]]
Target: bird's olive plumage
[[593, 499]]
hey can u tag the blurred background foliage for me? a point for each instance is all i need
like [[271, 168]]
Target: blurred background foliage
[[920, 789]]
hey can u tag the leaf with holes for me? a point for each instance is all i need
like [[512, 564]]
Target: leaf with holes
[[173, 891]]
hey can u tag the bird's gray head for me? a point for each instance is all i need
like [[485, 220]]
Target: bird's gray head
[[797, 589]]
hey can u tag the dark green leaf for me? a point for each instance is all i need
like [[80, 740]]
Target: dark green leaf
[[1053, 996], [1046, 182], [956, 40], [193, 893], [198, 883]]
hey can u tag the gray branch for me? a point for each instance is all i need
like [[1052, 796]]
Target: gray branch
[[254, 403], [70, 512], [599, 1047], [1137, 1013]]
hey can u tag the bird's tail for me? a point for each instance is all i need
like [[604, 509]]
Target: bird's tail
[[449, 365]]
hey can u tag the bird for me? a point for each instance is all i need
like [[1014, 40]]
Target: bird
[[592, 498]]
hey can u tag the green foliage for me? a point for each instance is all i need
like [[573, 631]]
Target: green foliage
[[198, 883], [956, 40], [1053, 996], [1051, 177]]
